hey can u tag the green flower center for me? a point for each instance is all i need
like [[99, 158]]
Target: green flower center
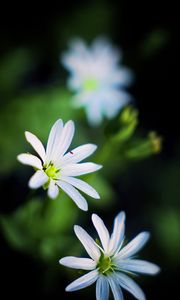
[[51, 171], [105, 265], [91, 84]]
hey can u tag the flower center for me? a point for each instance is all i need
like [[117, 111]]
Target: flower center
[[105, 265], [51, 171], [90, 84]]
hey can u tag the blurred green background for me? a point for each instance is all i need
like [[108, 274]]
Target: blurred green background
[[139, 149]]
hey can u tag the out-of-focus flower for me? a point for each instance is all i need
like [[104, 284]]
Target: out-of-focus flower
[[97, 79], [110, 262], [55, 169]]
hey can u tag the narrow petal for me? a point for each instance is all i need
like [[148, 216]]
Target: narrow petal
[[134, 246], [77, 154], [139, 266], [73, 194], [53, 190], [116, 289], [88, 243], [131, 286], [102, 288], [118, 234], [36, 144], [31, 160], [53, 140], [82, 186], [83, 281], [38, 179], [78, 263], [80, 169], [101, 230], [64, 141]]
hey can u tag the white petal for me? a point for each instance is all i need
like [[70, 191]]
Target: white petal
[[101, 230], [118, 234], [73, 194], [31, 160], [64, 141], [38, 179], [131, 286], [78, 263], [53, 190], [139, 266], [134, 246], [53, 140], [94, 111], [83, 281], [80, 169], [82, 186], [115, 287], [88, 243], [102, 288], [77, 154], [36, 144]]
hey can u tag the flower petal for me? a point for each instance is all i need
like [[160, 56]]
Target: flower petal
[[64, 141], [118, 234], [73, 194], [83, 281], [139, 266], [31, 160], [134, 246], [53, 190], [82, 186], [80, 169], [78, 263], [77, 154], [88, 243], [36, 144], [53, 140], [131, 286], [38, 179], [102, 288], [115, 287], [101, 230]]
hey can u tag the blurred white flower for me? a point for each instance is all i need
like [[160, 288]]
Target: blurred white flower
[[55, 169], [110, 263], [97, 79]]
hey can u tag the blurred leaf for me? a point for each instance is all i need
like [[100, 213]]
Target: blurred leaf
[[13, 68], [79, 22], [167, 224], [154, 42], [41, 227]]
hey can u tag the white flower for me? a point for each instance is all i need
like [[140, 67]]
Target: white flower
[[97, 79], [110, 264], [55, 169]]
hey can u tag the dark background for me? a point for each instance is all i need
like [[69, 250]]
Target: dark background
[[156, 93]]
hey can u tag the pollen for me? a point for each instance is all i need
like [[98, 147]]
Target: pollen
[[51, 171]]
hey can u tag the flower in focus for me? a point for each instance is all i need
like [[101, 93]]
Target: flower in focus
[[110, 262], [56, 169], [97, 79]]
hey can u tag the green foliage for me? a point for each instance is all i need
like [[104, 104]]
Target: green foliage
[[167, 224], [42, 227], [124, 144]]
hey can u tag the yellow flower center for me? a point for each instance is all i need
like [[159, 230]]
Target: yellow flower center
[[51, 171], [90, 84]]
